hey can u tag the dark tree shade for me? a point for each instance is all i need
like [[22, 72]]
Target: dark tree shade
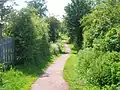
[[54, 26], [75, 12]]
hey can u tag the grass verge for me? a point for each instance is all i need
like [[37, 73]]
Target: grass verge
[[70, 72], [71, 75], [23, 76]]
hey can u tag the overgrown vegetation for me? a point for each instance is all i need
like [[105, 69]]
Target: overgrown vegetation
[[30, 34], [75, 11], [101, 27], [70, 70], [70, 73], [35, 44], [54, 28], [92, 25], [23, 76], [98, 65], [99, 69]]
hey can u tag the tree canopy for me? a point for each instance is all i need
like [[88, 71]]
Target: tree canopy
[[54, 28], [39, 5], [75, 11]]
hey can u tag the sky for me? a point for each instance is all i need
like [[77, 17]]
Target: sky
[[55, 7]]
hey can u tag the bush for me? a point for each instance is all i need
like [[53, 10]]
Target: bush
[[111, 41], [101, 27], [98, 68], [30, 34], [61, 46], [56, 48]]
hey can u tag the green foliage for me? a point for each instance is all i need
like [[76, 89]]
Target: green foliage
[[70, 73], [57, 48], [1, 74], [113, 39], [13, 76], [101, 27], [75, 11], [98, 68], [32, 47], [23, 76], [39, 5], [99, 62], [61, 47], [5, 9], [30, 34], [72, 76], [54, 28], [110, 42], [54, 49], [64, 28]]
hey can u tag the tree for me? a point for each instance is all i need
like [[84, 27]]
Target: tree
[[54, 26], [4, 11], [75, 11], [64, 27], [30, 34], [40, 5]]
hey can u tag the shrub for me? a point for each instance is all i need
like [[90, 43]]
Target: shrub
[[100, 44], [113, 39], [30, 34], [56, 48], [61, 46], [98, 68], [101, 27]]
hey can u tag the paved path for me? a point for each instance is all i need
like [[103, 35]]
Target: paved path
[[52, 79]]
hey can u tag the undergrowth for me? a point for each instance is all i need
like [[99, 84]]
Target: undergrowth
[[93, 70], [22, 77]]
